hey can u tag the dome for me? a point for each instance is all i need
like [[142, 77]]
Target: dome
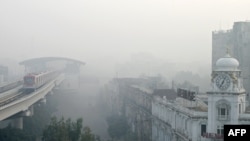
[[227, 63]]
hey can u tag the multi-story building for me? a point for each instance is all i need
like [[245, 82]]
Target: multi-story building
[[138, 111], [183, 115], [137, 98], [237, 40]]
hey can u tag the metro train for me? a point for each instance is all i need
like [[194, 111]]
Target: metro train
[[33, 81]]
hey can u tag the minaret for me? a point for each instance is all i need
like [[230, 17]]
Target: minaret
[[226, 98]]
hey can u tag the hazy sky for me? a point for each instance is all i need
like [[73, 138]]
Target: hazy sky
[[109, 31]]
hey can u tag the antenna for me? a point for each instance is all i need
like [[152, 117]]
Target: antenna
[[228, 51]]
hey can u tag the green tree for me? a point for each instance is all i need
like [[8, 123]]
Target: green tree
[[67, 130], [74, 129], [87, 135]]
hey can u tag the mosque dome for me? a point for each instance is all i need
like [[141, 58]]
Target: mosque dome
[[227, 63]]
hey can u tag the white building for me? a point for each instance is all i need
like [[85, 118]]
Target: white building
[[183, 120]]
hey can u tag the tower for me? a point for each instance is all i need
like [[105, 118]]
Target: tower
[[227, 97], [238, 40]]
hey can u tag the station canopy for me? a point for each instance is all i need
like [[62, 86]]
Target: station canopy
[[43, 60]]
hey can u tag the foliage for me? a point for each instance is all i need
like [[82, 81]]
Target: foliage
[[62, 130], [67, 130], [87, 135], [117, 126]]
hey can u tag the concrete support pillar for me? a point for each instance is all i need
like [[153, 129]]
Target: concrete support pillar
[[29, 112], [17, 123]]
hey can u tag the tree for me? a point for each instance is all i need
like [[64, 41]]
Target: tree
[[87, 135], [67, 130]]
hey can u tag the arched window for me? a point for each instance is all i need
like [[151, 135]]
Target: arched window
[[223, 109], [223, 112]]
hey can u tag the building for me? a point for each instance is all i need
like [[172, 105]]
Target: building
[[138, 99], [138, 102], [185, 115], [237, 40], [191, 119]]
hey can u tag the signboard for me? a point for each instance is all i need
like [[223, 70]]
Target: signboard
[[213, 135], [187, 94]]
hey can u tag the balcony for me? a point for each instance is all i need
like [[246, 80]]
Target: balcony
[[244, 116], [223, 117]]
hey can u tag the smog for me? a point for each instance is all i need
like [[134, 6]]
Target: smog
[[112, 70]]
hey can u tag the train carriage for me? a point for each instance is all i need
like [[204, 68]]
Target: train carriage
[[33, 81]]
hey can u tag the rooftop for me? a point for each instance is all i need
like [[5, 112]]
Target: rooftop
[[148, 91], [198, 108]]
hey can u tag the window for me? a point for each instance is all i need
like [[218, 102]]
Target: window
[[223, 113], [220, 130], [239, 108], [203, 129], [185, 124]]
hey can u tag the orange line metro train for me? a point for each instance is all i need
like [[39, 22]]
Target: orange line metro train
[[33, 81]]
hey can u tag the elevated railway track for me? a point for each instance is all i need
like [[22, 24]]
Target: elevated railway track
[[17, 100]]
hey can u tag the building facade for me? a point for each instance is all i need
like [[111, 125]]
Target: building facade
[[178, 119]]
